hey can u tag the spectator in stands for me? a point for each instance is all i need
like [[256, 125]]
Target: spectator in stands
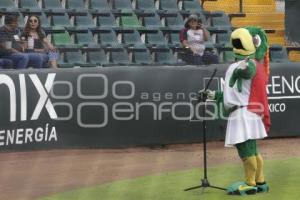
[[12, 48], [6, 64], [41, 44], [193, 37]]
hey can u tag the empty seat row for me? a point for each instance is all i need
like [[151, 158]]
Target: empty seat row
[[101, 5], [151, 20], [109, 37], [119, 56]]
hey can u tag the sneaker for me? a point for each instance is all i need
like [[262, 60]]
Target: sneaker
[[263, 188], [241, 188]]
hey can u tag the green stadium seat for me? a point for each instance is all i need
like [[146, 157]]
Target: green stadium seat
[[193, 6], [108, 38], [164, 57], [97, 58], [107, 21], [53, 6], [278, 54], [85, 21], [29, 6], [124, 6], [142, 57], [85, 38], [175, 22], [145, 5], [130, 21], [132, 38], [169, 5], [99, 5], [61, 21], [61, 39], [155, 39], [152, 21], [119, 57], [8, 6]]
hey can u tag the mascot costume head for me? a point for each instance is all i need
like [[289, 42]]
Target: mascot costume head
[[251, 42]]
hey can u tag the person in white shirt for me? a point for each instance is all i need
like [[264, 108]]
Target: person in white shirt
[[193, 37]]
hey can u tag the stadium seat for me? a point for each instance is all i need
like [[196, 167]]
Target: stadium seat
[[155, 39], [61, 39], [84, 38], [278, 54], [223, 39], [145, 5], [76, 5], [119, 57], [221, 22], [53, 6], [73, 58], [107, 21], [29, 6], [173, 39], [132, 39], [164, 57], [97, 58], [108, 38], [21, 21], [61, 21], [175, 22], [8, 6], [124, 6], [193, 6], [85, 21], [142, 57], [44, 20], [130, 21], [228, 56], [152, 21], [99, 5], [168, 5]]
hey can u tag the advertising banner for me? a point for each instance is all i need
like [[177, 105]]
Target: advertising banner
[[126, 106]]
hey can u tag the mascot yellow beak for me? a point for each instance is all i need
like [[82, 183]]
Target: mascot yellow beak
[[242, 42]]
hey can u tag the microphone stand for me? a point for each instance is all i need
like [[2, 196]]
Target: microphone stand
[[204, 181]]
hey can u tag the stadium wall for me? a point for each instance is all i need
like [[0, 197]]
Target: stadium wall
[[125, 106]]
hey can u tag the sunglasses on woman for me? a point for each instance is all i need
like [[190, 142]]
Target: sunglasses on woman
[[33, 21]]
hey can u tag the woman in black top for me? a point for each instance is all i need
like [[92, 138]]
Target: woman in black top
[[41, 44]]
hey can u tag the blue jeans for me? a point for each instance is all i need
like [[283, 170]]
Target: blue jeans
[[20, 60], [6, 63], [23, 60], [37, 60]]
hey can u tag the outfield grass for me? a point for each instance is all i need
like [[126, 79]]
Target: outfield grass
[[282, 175]]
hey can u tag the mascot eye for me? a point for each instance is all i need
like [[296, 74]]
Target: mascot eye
[[256, 41]]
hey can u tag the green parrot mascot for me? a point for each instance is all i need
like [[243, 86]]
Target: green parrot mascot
[[244, 100]]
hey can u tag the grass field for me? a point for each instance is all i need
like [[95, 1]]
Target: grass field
[[282, 175]]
